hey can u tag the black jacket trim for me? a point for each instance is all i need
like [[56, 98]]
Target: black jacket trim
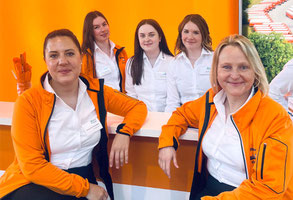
[[102, 153], [117, 61], [175, 143], [119, 127], [199, 179], [45, 131]]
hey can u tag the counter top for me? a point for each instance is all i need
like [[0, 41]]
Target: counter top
[[151, 127]]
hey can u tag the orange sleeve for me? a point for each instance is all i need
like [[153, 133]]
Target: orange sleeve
[[184, 116], [29, 150], [133, 110]]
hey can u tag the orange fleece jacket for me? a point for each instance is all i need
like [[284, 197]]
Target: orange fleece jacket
[[31, 115], [88, 67], [266, 132]]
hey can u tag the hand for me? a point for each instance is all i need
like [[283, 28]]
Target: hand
[[97, 193], [166, 154], [119, 150]]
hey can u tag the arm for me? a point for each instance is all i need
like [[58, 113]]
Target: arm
[[134, 113], [173, 97], [30, 152], [282, 85], [272, 172], [129, 87], [177, 125]]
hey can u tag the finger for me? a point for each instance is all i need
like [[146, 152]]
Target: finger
[[117, 159], [126, 156], [121, 158], [111, 157], [175, 161], [167, 166]]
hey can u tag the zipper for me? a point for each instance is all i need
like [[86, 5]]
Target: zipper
[[242, 149], [263, 160], [45, 131]]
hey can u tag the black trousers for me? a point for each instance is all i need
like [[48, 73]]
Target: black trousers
[[213, 188], [37, 192]]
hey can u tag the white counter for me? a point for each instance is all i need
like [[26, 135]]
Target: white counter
[[151, 127]]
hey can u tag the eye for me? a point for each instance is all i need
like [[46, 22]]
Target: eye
[[142, 35], [151, 34], [196, 32], [53, 56], [105, 24], [226, 67], [96, 27], [185, 31], [70, 54], [244, 67]]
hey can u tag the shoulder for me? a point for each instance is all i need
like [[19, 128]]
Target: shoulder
[[271, 109]]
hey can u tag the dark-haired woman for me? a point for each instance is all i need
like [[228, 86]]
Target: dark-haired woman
[[59, 128], [101, 57], [188, 77], [146, 71]]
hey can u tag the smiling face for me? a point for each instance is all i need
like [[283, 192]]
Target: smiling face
[[191, 36], [63, 60], [234, 73], [149, 38], [101, 30]]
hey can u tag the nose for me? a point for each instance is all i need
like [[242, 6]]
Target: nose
[[62, 60], [235, 74]]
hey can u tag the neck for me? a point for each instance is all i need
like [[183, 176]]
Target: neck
[[152, 56], [193, 55], [232, 104], [105, 46], [68, 93]]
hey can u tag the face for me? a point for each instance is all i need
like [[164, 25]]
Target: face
[[101, 30], [63, 60], [149, 38], [191, 36], [235, 75]]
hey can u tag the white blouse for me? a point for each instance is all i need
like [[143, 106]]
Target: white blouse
[[186, 82], [153, 88], [222, 146], [106, 67], [73, 133]]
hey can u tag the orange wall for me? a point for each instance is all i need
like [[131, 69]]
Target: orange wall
[[25, 23]]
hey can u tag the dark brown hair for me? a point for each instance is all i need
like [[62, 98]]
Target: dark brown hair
[[88, 40], [136, 69], [59, 33], [204, 30]]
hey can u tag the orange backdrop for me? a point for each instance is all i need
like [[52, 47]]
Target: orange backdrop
[[25, 23]]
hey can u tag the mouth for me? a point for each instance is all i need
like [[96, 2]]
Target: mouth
[[64, 71]]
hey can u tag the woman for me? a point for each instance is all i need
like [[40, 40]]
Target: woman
[[58, 125], [146, 71], [101, 57], [245, 138], [281, 88], [188, 76]]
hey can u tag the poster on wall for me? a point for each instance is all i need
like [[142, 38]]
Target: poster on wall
[[269, 25]]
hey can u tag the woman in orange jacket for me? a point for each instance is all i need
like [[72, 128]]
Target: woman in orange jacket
[[60, 125], [245, 142], [101, 57]]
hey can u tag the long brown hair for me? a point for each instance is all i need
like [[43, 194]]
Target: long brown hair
[[136, 70], [88, 39], [204, 30]]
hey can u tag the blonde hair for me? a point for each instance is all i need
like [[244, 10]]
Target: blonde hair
[[252, 56]]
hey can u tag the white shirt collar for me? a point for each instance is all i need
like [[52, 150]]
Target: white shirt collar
[[220, 98], [112, 46], [81, 89], [203, 52], [161, 56]]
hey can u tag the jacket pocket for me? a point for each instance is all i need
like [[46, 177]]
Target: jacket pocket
[[271, 164]]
